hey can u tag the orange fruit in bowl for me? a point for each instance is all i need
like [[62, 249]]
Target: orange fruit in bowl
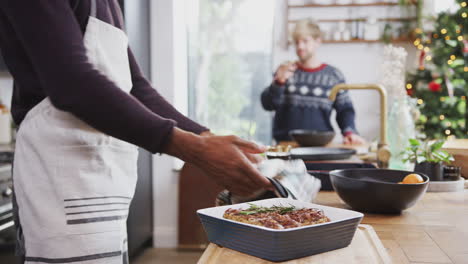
[[412, 178]]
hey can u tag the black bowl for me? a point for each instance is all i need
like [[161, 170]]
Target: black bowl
[[377, 190], [322, 171], [311, 138]]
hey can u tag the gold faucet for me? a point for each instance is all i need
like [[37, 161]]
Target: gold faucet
[[383, 151]]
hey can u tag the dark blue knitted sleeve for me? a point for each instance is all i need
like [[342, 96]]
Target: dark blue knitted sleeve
[[343, 105], [272, 96]]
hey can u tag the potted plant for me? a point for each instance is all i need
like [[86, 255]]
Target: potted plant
[[428, 157]]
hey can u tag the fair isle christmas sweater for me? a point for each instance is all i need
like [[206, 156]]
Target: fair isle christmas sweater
[[302, 102]]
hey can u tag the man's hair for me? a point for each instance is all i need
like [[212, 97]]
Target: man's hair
[[306, 27]]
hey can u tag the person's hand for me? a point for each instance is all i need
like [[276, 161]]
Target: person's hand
[[254, 158], [223, 158], [353, 139], [285, 71]]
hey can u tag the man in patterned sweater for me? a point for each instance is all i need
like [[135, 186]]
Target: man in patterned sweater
[[299, 92]]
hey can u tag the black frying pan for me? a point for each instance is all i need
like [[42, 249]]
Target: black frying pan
[[320, 153]]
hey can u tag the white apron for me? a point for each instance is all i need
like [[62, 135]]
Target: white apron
[[74, 184]]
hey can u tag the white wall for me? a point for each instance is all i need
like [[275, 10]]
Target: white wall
[[168, 71], [359, 62]]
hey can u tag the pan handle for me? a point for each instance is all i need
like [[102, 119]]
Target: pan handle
[[6, 225]]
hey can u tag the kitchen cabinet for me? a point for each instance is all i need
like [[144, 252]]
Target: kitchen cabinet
[[196, 191]]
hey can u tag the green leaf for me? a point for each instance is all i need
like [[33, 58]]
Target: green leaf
[[457, 62], [437, 145], [414, 142], [452, 43]]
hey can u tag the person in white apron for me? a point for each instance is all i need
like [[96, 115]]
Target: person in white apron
[[75, 158], [83, 179]]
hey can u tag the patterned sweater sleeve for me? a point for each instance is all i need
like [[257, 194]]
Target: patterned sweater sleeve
[[272, 96], [343, 105]]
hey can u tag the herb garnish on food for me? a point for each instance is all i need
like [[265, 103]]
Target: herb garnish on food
[[255, 209]]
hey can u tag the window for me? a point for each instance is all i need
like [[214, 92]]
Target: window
[[229, 60]]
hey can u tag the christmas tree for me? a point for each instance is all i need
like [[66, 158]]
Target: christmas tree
[[440, 83]]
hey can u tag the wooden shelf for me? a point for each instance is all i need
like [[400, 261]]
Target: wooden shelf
[[359, 19], [364, 41], [402, 40], [370, 4], [347, 5]]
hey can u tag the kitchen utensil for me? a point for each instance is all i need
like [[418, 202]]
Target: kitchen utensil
[[377, 190], [279, 152], [311, 138], [319, 153], [452, 173], [280, 245], [227, 198]]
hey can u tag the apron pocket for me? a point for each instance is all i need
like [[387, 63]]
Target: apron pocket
[[96, 185]]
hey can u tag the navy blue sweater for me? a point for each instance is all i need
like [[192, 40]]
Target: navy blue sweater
[[302, 103]]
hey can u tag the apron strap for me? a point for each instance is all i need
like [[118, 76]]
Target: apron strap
[[93, 11]]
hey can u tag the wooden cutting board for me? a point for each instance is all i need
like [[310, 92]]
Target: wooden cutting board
[[366, 247]]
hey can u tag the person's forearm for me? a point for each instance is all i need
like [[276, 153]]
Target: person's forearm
[[345, 119], [53, 42], [183, 145]]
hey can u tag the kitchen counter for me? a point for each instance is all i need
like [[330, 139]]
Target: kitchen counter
[[435, 230]]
